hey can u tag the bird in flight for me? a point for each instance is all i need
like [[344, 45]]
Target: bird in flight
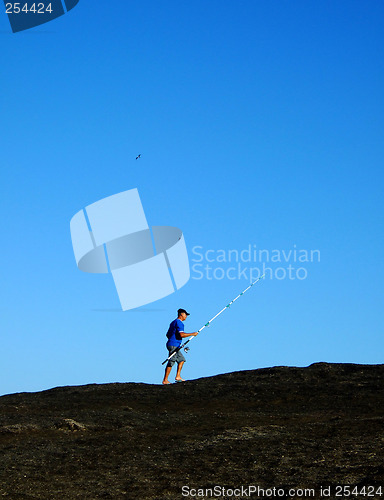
[[138, 156]]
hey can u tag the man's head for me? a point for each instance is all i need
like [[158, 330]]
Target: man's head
[[182, 314]]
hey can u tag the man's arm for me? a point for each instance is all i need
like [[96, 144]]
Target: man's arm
[[183, 334]]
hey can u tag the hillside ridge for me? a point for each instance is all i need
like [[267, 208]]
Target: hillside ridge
[[281, 426]]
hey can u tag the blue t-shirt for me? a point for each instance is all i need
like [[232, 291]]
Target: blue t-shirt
[[173, 333]]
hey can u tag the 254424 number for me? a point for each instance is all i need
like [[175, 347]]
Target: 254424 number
[[35, 8], [365, 491]]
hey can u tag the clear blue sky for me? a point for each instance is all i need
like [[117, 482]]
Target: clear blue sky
[[259, 123]]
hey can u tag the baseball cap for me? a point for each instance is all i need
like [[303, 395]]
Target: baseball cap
[[179, 311]]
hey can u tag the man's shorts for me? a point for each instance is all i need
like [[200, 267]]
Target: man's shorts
[[178, 357]]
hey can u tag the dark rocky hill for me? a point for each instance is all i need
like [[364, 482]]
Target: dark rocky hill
[[283, 427]]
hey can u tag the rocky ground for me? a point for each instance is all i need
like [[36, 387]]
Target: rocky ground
[[304, 429]]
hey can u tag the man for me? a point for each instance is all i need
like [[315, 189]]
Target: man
[[175, 334]]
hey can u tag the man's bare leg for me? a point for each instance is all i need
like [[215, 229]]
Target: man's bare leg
[[179, 367], [166, 375]]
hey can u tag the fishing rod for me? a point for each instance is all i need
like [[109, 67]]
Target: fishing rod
[[214, 317]]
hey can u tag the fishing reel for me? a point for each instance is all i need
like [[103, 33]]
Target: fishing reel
[[186, 349]]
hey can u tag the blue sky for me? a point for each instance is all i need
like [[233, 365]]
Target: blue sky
[[259, 123]]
